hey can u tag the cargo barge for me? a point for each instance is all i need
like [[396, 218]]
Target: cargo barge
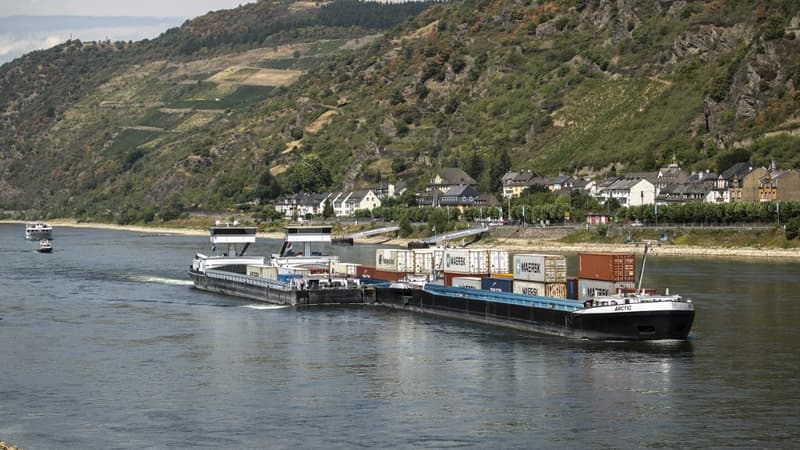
[[608, 308], [616, 317]]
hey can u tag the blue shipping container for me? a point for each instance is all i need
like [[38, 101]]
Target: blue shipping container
[[287, 277], [497, 284], [572, 288]]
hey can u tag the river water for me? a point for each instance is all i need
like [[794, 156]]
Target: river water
[[104, 344]]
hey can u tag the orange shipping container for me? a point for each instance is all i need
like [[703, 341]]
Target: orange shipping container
[[607, 266]]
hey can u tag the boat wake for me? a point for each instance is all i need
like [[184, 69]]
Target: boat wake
[[265, 307], [160, 280]]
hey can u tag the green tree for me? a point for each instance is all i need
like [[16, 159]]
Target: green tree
[[268, 187], [327, 210], [497, 168], [310, 174]]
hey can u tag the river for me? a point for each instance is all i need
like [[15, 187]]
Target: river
[[104, 344]]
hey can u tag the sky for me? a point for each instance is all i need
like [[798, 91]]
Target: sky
[[135, 20], [185, 9]]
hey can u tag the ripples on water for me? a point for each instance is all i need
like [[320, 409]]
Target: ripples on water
[[105, 345]]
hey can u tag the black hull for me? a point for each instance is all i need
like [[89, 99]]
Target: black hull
[[635, 326], [619, 326], [234, 286]]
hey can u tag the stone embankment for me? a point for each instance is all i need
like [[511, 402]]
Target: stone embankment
[[7, 446]]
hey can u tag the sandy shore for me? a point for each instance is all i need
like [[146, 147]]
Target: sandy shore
[[544, 246], [514, 245]]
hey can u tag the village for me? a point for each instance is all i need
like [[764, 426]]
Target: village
[[454, 188]]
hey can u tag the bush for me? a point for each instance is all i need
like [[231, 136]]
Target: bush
[[793, 228]]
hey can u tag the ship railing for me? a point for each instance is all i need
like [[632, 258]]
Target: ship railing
[[505, 297], [246, 279]]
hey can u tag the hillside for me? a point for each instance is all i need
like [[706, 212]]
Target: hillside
[[286, 96]]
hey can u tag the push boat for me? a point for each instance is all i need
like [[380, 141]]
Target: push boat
[[290, 277], [45, 246], [38, 231]]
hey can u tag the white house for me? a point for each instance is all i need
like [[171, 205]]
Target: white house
[[629, 192]]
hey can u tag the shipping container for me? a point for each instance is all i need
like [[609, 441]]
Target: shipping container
[[428, 260], [535, 288], [572, 288], [498, 261], [285, 277], [262, 271], [467, 282], [541, 268], [497, 284], [394, 260], [448, 277], [347, 269], [372, 272], [592, 288], [503, 275], [297, 271], [466, 261], [607, 266]]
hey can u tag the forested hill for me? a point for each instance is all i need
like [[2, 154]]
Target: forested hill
[[277, 97]]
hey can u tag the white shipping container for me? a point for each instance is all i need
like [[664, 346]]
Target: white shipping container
[[467, 282], [541, 268], [498, 261], [298, 271], [341, 268], [588, 289], [535, 288], [394, 260], [466, 261], [262, 271], [424, 260]]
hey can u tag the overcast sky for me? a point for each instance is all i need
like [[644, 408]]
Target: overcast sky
[[155, 8], [22, 35]]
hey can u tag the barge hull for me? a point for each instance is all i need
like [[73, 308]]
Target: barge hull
[[238, 286], [623, 326]]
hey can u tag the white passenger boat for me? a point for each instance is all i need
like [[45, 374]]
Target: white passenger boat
[[38, 231]]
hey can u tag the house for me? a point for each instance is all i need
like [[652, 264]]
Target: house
[[302, 204], [448, 178], [432, 198], [683, 193], [362, 199], [672, 174], [515, 182], [581, 184], [629, 191], [462, 196], [389, 190], [346, 203], [560, 182], [779, 185], [738, 183]]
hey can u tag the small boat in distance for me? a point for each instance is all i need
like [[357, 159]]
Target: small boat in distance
[[45, 246], [38, 231]]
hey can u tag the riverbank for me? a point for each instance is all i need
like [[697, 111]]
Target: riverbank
[[511, 244], [549, 246]]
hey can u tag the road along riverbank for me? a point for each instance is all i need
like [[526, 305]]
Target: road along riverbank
[[512, 244]]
